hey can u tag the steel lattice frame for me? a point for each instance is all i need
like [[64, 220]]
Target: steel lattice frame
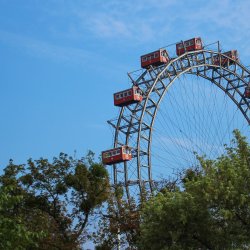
[[135, 122]]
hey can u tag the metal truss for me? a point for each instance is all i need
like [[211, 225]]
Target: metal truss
[[134, 127]]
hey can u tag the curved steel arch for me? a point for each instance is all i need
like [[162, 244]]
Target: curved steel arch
[[136, 121]]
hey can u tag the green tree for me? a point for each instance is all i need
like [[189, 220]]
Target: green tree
[[119, 223], [14, 233], [58, 197], [208, 210]]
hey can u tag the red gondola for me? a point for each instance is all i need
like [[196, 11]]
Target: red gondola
[[128, 96], [247, 92], [155, 58], [116, 155], [188, 45], [224, 60]]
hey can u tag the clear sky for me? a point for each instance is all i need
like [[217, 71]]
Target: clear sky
[[61, 61]]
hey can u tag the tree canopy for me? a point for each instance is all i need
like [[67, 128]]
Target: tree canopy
[[119, 223], [47, 205], [209, 209]]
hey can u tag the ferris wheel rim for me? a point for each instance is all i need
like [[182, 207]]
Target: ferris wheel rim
[[189, 56]]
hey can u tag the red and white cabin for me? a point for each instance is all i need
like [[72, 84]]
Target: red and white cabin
[[116, 155], [224, 60], [128, 96], [247, 92], [188, 45], [155, 58]]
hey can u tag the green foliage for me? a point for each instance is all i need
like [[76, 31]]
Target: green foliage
[[14, 231], [209, 211], [53, 199], [121, 219]]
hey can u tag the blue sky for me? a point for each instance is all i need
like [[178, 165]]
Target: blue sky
[[61, 61]]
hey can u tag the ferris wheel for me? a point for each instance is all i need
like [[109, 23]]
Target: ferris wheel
[[177, 108]]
